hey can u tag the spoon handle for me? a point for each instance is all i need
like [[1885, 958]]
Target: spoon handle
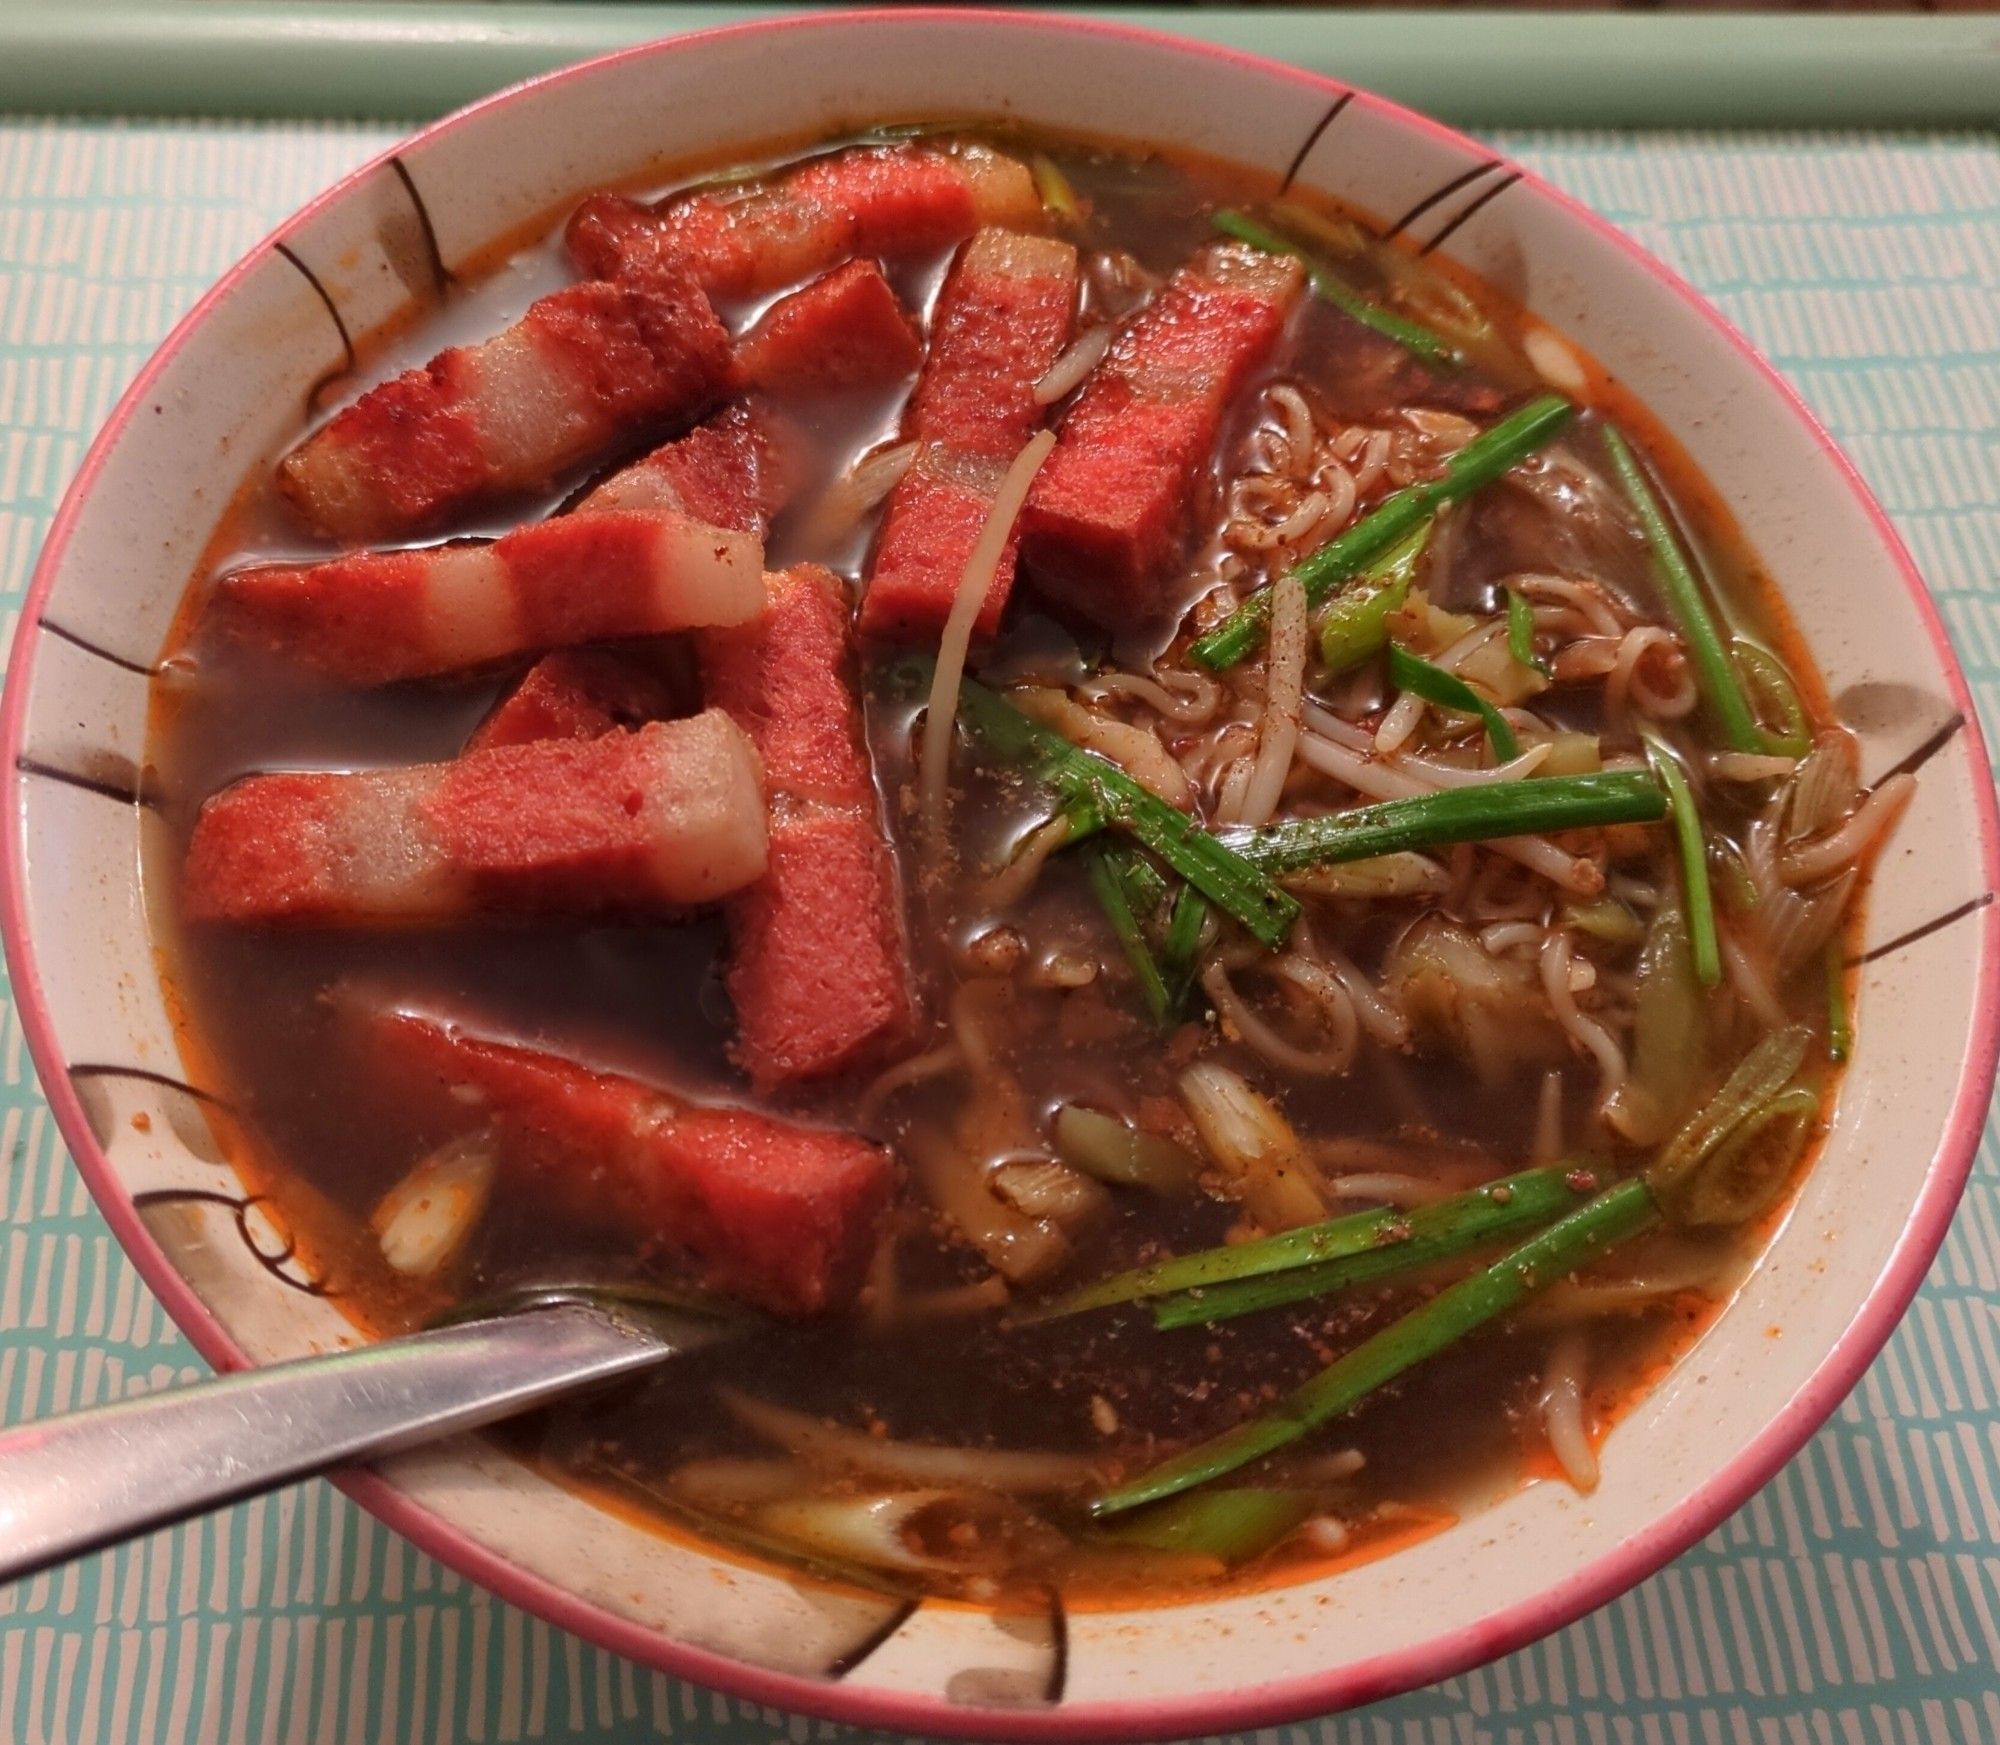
[[72, 1484]]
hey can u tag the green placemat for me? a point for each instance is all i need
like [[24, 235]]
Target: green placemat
[[1855, 1600], [1525, 65]]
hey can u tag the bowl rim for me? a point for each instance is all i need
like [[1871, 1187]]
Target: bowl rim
[[1421, 1662]]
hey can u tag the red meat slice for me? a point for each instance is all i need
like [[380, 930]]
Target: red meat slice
[[737, 470], [845, 330], [780, 1215], [646, 822], [872, 200], [1108, 513], [583, 370], [819, 970], [576, 693], [1003, 317], [374, 617]]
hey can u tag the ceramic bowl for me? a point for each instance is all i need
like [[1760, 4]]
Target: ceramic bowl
[[230, 385]]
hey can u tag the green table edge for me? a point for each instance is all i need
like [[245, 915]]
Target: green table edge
[[391, 61]]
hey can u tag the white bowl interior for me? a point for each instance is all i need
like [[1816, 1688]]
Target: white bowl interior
[[234, 388]]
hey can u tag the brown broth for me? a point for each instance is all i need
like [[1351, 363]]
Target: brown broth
[[647, 1000]]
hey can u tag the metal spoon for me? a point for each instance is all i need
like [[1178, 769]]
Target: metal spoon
[[76, 1483]]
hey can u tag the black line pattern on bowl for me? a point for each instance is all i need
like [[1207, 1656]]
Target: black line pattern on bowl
[[1312, 139], [441, 275], [1971, 906], [1444, 193], [851, 1658], [1925, 752], [134, 793], [145, 1075], [240, 1206], [1472, 210], [348, 362], [89, 647]]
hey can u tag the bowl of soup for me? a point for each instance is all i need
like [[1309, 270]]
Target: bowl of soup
[[1225, 824]]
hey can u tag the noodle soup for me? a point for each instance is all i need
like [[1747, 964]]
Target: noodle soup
[[1162, 847]]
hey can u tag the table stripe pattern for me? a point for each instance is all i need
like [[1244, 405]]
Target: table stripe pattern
[[1855, 1600]]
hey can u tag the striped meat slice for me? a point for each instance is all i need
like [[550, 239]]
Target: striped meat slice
[[374, 617], [582, 371], [644, 823], [868, 201], [575, 693], [1109, 512], [778, 1214], [818, 969], [844, 330], [737, 470], [1003, 317]]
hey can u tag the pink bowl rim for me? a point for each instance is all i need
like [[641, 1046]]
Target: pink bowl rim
[[1264, 1705]]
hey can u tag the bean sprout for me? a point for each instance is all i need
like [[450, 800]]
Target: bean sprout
[[1555, 966], [1844, 847]]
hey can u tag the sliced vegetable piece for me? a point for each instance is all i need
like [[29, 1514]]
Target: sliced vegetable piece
[[1355, 624], [1412, 336], [1535, 1195], [1604, 918], [1478, 463], [1743, 1177], [1476, 814], [1184, 929], [1757, 1078], [1769, 679], [1115, 1151], [1410, 672], [1521, 633], [1496, 1212], [1667, 1033], [1254, 1144], [1112, 883], [1095, 793], [1609, 1218], [1233, 1525], [1057, 191], [1692, 843], [1715, 672]]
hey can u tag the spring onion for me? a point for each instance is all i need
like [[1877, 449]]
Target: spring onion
[[1113, 880], [1475, 814], [1521, 633], [1231, 1525], [1146, 886], [1184, 929], [1110, 1150], [1693, 847], [1755, 1080], [1355, 624], [1058, 193], [1604, 918], [1496, 1212], [1839, 1021], [1095, 794], [1744, 1175], [1410, 672], [1608, 1218], [1766, 675], [1667, 1032], [1412, 336], [1715, 671], [1479, 462]]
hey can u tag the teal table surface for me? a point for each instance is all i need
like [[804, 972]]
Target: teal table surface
[[1855, 1600]]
